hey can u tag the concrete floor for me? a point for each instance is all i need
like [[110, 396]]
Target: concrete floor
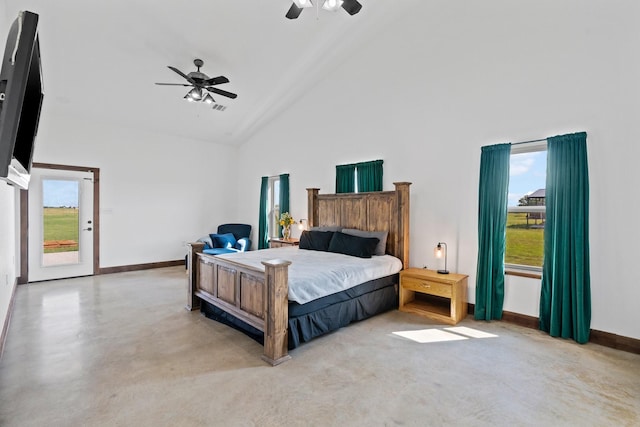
[[120, 350]]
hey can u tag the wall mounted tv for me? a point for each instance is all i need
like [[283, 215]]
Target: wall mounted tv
[[20, 100]]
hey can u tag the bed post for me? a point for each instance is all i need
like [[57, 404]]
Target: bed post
[[193, 302], [276, 322], [312, 207], [402, 194]]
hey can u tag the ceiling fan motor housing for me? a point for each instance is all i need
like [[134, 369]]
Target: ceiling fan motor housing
[[200, 82], [198, 76]]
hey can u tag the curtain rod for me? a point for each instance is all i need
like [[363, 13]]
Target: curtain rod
[[528, 142]]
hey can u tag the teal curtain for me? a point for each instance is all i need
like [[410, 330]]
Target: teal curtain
[[492, 220], [284, 197], [263, 231], [565, 298], [345, 178], [369, 176]]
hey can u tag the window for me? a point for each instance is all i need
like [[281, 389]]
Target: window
[[526, 210], [274, 198], [273, 206], [359, 177]]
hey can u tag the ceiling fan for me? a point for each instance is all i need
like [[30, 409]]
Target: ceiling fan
[[201, 84], [350, 6]]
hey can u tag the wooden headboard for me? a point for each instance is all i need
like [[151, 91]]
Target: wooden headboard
[[375, 211]]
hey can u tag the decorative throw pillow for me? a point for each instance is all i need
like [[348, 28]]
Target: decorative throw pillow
[[227, 240], [381, 235], [362, 247], [315, 240]]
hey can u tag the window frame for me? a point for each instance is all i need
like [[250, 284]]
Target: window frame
[[520, 269]]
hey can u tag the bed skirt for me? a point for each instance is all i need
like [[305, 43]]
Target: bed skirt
[[316, 318]]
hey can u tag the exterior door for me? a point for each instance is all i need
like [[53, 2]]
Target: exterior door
[[60, 224]]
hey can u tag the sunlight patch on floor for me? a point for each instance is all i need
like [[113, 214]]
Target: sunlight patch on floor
[[430, 335], [470, 332], [456, 333]]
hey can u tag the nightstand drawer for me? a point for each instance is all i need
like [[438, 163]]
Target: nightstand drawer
[[427, 287]]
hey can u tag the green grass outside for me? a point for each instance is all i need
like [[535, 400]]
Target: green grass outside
[[525, 245], [61, 224]]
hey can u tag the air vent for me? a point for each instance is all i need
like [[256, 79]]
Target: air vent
[[219, 107]]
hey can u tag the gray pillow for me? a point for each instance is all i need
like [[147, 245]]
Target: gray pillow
[[381, 248], [333, 228]]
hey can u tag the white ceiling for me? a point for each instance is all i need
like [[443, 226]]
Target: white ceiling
[[101, 59]]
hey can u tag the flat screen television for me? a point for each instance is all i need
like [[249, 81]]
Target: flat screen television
[[21, 95]]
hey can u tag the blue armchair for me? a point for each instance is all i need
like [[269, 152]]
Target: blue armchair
[[228, 239]]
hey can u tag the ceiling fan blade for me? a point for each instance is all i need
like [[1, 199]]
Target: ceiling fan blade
[[294, 11], [216, 81], [189, 79], [173, 84], [222, 92], [351, 6]]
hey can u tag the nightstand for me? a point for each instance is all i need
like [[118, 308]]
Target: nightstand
[[280, 242], [441, 297]]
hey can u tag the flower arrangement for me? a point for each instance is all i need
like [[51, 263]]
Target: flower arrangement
[[286, 219]]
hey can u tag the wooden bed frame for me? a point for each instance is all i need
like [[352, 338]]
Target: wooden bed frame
[[259, 297]]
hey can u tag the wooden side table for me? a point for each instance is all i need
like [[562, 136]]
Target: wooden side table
[[441, 297], [280, 242]]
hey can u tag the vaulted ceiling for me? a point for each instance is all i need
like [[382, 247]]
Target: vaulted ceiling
[[101, 59]]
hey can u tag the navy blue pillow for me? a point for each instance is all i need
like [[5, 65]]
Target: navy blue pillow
[[227, 240], [362, 247], [315, 240]]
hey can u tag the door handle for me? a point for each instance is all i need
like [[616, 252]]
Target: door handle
[[87, 229]]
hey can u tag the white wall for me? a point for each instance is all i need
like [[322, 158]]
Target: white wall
[[435, 86], [156, 191], [8, 223]]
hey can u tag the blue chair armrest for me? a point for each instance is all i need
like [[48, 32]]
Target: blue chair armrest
[[243, 244]]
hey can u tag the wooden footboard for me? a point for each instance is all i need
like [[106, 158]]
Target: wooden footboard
[[257, 297]]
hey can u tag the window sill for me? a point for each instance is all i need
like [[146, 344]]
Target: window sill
[[520, 273]]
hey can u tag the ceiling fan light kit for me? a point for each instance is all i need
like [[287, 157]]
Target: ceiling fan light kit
[[202, 85], [350, 6], [195, 93], [332, 5], [303, 3]]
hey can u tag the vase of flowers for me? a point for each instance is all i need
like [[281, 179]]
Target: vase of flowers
[[286, 220]]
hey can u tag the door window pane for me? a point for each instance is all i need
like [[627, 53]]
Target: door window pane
[[60, 219]]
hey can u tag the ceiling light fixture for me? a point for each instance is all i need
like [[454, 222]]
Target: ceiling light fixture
[[332, 5], [196, 94], [206, 99], [350, 6], [303, 3]]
